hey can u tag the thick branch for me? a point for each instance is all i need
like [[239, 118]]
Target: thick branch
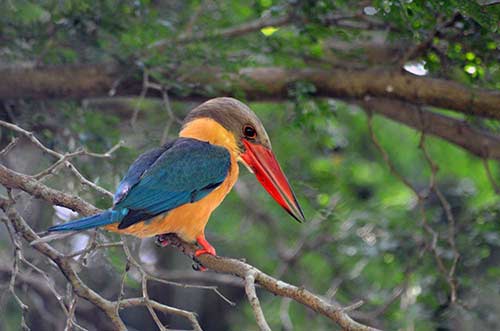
[[257, 84], [69, 81], [458, 132], [273, 285], [11, 179]]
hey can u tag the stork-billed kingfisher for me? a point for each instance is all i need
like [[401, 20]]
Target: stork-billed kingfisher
[[175, 188]]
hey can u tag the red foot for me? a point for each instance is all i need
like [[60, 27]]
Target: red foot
[[206, 247]]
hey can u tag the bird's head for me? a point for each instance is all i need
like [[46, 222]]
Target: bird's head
[[253, 147]]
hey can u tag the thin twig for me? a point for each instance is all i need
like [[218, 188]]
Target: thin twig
[[63, 157], [90, 249], [145, 277], [152, 312], [12, 179], [144, 91], [254, 302], [491, 179], [286, 321], [122, 288], [452, 281], [134, 302], [15, 271], [448, 273], [9, 146]]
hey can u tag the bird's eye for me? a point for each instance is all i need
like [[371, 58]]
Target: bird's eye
[[249, 132]]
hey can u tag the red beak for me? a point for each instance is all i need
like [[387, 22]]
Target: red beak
[[268, 172]]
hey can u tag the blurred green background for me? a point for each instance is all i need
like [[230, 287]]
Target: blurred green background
[[364, 238]]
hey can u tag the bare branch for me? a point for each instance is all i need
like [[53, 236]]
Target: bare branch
[[286, 321], [31, 137], [491, 179], [452, 281], [12, 179], [348, 22], [15, 271], [273, 285], [63, 158], [133, 302], [147, 303], [448, 273], [9, 146], [87, 182], [64, 265], [235, 31], [254, 302]]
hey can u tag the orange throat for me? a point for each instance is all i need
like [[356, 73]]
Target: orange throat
[[206, 129], [189, 220]]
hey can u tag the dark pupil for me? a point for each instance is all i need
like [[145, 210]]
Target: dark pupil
[[249, 132]]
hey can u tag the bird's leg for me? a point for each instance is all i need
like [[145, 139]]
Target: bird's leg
[[170, 239], [206, 248]]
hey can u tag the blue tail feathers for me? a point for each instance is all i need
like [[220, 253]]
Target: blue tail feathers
[[104, 218]]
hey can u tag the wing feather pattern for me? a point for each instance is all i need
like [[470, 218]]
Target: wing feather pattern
[[182, 172]]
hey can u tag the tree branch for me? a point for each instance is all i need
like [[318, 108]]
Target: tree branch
[[66, 81], [257, 84], [14, 180], [64, 265], [63, 159], [254, 302], [458, 132], [234, 31], [348, 22], [271, 284]]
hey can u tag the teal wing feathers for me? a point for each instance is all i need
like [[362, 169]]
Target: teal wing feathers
[[181, 172], [184, 172]]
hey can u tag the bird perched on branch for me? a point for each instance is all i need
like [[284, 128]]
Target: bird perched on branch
[[175, 188]]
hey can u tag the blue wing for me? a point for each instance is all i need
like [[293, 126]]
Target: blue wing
[[178, 173], [136, 170]]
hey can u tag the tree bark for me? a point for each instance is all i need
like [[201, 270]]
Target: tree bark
[[458, 132], [85, 81]]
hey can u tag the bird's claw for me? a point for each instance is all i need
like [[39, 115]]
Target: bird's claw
[[206, 248], [197, 266], [162, 240], [202, 251], [166, 239]]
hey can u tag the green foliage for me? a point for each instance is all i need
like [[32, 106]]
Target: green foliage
[[373, 242]]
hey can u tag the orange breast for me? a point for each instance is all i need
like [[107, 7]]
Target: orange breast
[[189, 220]]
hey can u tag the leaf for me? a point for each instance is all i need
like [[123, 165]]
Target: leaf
[[29, 13]]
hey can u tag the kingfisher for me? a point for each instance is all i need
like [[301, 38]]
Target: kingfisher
[[176, 187]]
